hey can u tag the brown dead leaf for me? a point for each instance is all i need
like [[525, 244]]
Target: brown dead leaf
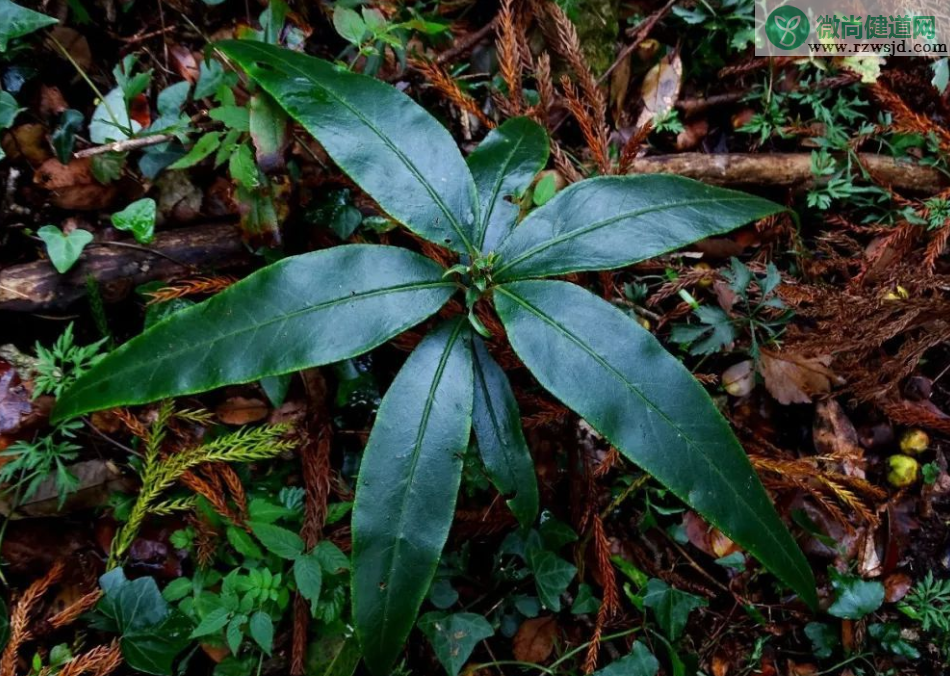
[[28, 142], [692, 135], [241, 411], [73, 185], [534, 640], [52, 102], [794, 379], [14, 400], [720, 665], [75, 43], [184, 62], [835, 436], [661, 89], [619, 84], [707, 538], [896, 587]]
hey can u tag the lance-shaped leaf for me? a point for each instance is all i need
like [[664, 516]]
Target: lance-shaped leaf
[[618, 377], [613, 221], [388, 144], [406, 491], [504, 164], [303, 311], [501, 443]]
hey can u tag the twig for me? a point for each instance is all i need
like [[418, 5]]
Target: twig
[[467, 42], [641, 32]]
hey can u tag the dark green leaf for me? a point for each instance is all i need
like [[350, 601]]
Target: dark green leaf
[[177, 589], [302, 311], [276, 387], [64, 250], [380, 137], [585, 602], [454, 637], [889, 636], [334, 655], [640, 662], [609, 222], [670, 606], [16, 21], [501, 443], [331, 558], [261, 628], [615, 374], [824, 639], [63, 137], [203, 147], [4, 624], [243, 543], [269, 131], [107, 167], [854, 597], [308, 573], [552, 575], [503, 165], [153, 650], [406, 491], [284, 543], [212, 623]]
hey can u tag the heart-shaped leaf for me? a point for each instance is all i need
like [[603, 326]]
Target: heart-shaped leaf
[[64, 250], [137, 218]]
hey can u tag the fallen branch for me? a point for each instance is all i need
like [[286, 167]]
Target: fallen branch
[[785, 169], [36, 286], [127, 145]]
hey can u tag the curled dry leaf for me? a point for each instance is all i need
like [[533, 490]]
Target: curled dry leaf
[[896, 587], [661, 89], [835, 436], [795, 379], [707, 538], [73, 185], [15, 403], [241, 411], [534, 640], [184, 62]]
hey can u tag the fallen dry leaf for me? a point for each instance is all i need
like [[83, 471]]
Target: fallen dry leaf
[[534, 640], [896, 587], [693, 134], [794, 379], [241, 411], [14, 400], [835, 436], [73, 185], [707, 538]]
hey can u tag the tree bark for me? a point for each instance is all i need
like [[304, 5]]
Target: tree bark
[[785, 169], [36, 286]]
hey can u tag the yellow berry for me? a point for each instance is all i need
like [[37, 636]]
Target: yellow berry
[[706, 281], [903, 471], [644, 322], [914, 441]]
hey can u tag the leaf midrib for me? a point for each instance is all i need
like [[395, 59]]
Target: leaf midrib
[[399, 288], [596, 225], [619, 376], [483, 386], [453, 220], [485, 218], [416, 453]]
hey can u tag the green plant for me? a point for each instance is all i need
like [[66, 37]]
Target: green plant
[[58, 367], [763, 316], [330, 305], [928, 602], [64, 250], [33, 462]]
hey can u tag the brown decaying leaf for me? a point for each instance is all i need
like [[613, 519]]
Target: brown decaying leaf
[[835, 437], [534, 641], [241, 411], [15, 403], [795, 379], [73, 185]]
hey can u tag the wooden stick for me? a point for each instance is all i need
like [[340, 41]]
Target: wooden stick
[[37, 286]]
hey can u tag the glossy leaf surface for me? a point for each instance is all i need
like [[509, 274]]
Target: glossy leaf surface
[[303, 311], [618, 377], [388, 144], [406, 491], [504, 164], [609, 222], [501, 443]]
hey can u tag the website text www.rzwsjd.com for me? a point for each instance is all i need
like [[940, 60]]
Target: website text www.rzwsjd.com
[[877, 48]]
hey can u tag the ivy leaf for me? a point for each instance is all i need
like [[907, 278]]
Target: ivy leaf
[[63, 137], [889, 636], [610, 222], [824, 639], [454, 637], [139, 219], [111, 120], [670, 606], [284, 543], [591, 356], [854, 597], [16, 21], [64, 250], [261, 628], [406, 490], [153, 650], [381, 138], [640, 662], [552, 575]]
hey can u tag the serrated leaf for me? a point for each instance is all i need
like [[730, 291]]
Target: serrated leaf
[[233, 634], [406, 490], [212, 623], [261, 628], [501, 443], [380, 137], [64, 250], [454, 636], [302, 311], [284, 543], [503, 165], [16, 21], [243, 543], [203, 148], [308, 573], [349, 25], [618, 377], [613, 221]]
